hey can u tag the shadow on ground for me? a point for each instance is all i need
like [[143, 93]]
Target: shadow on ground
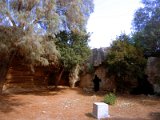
[[38, 91], [121, 118], [89, 115], [87, 92], [155, 115], [8, 103]]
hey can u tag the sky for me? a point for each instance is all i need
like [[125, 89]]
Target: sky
[[110, 19]]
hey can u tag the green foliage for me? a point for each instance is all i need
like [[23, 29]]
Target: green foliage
[[76, 14], [110, 98], [38, 50], [33, 49], [73, 48], [54, 16], [8, 40], [124, 60], [146, 24]]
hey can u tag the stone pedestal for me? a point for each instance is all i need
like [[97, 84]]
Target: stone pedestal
[[100, 110]]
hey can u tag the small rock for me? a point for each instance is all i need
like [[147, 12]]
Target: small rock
[[43, 112]]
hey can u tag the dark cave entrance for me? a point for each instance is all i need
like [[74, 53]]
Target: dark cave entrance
[[96, 82]]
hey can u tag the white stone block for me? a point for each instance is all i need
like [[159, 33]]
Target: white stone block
[[100, 110]]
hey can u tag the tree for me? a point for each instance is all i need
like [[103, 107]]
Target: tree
[[51, 15], [146, 24], [31, 27], [124, 61], [8, 37], [74, 51]]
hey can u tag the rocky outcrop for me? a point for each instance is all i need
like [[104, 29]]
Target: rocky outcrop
[[96, 60], [106, 82], [86, 81], [153, 72], [153, 69], [20, 78], [97, 56]]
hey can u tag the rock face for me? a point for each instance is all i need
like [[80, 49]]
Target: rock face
[[20, 78], [153, 69], [153, 72], [97, 56], [106, 83], [97, 61], [86, 81]]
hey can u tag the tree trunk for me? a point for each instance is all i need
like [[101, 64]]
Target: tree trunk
[[59, 77], [3, 72], [4, 67], [74, 76]]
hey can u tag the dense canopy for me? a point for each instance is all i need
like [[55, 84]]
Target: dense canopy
[[37, 19]]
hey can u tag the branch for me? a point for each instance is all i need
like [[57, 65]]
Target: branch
[[11, 19], [19, 5]]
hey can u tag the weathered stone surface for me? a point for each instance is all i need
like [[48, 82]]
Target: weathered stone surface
[[97, 56], [86, 81], [97, 60], [19, 77], [153, 72], [153, 68]]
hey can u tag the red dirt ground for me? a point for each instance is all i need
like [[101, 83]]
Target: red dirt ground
[[74, 104]]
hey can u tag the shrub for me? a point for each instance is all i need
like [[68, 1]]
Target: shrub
[[110, 98]]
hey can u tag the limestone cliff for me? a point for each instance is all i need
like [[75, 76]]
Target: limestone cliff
[[97, 56], [153, 72]]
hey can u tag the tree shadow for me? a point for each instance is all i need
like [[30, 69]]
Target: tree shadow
[[149, 100], [89, 92], [39, 92], [8, 103], [155, 115], [123, 118], [90, 115]]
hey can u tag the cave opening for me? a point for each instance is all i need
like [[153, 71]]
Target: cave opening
[[96, 82]]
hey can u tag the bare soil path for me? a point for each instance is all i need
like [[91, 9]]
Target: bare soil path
[[74, 104]]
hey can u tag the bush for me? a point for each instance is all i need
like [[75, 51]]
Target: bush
[[110, 98]]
